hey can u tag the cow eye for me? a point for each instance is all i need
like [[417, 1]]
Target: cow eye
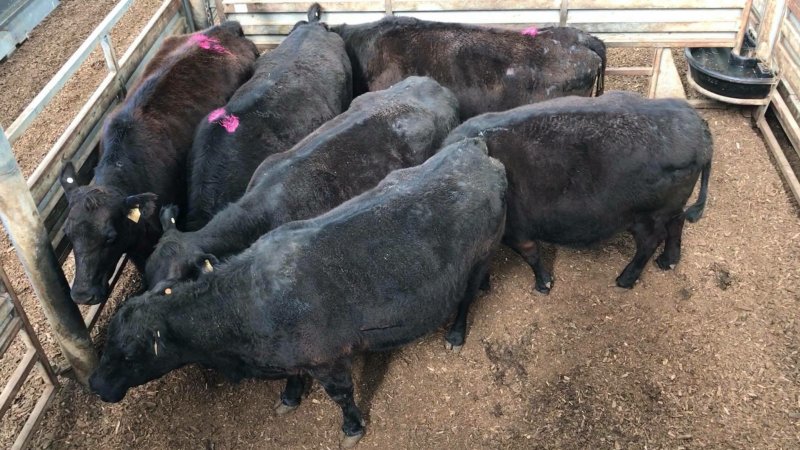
[[110, 238]]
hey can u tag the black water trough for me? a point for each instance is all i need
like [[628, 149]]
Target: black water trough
[[722, 72]]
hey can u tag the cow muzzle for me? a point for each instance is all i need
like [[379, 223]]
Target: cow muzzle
[[109, 393]]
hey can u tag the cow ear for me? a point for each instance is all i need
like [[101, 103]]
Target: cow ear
[[169, 215], [206, 262], [140, 206], [69, 179]]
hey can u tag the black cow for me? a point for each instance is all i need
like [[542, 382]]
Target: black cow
[[296, 87], [144, 146], [382, 131], [377, 272], [582, 169], [488, 69]]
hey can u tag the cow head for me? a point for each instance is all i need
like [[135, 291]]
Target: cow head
[[139, 348], [176, 257], [102, 224]]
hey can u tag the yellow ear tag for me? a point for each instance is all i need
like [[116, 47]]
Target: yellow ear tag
[[207, 267], [134, 214]]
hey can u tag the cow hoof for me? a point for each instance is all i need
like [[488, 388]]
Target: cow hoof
[[665, 263], [350, 441], [453, 348], [544, 288], [625, 284], [281, 409]]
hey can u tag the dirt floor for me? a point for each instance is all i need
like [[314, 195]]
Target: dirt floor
[[705, 356]]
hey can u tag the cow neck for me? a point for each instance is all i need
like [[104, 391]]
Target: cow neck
[[203, 316], [232, 230]]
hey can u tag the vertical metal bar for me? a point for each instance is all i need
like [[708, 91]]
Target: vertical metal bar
[[748, 5], [656, 72], [25, 228], [113, 64], [387, 6], [187, 11], [563, 13]]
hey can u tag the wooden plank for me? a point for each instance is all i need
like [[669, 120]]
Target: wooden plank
[[656, 72], [654, 4], [707, 103], [657, 15], [9, 333], [333, 18], [487, 17], [49, 169], [791, 99], [36, 416], [669, 83], [483, 5], [742, 26], [60, 78], [655, 27], [297, 7], [789, 70], [783, 164], [769, 30], [6, 308], [790, 40], [16, 380], [794, 7], [28, 333], [667, 39], [788, 121]]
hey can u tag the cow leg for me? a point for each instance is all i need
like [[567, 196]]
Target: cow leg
[[291, 395], [338, 383], [454, 339], [672, 247], [530, 251], [647, 237]]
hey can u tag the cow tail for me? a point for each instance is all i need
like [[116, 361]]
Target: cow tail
[[314, 13], [695, 212], [599, 47]]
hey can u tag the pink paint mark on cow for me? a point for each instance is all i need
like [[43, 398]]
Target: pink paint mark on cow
[[216, 114], [230, 123], [208, 43], [531, 31]]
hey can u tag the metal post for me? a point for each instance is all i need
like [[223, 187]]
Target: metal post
[[113, 64], [24, 226], [188, 11]]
